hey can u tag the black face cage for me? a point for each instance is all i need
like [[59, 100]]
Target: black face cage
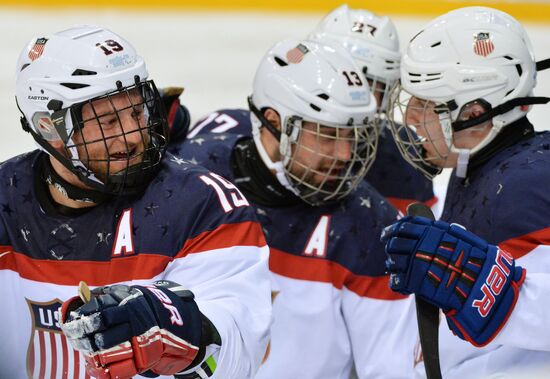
[[92, 159]]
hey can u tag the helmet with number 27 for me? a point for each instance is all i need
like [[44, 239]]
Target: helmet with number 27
[[371, 40]]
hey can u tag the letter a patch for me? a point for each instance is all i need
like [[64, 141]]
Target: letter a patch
[[317, 244], [124, 242]]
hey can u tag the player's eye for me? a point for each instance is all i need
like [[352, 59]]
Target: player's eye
[[108, 121], [137, 114]]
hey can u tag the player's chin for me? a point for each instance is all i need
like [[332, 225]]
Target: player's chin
[[448, 160], [327, 181], [116, 164], [119, 166]]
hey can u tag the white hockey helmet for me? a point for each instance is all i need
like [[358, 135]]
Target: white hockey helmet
[[58, 74], [472, 54], [305, 81], [372, 41]]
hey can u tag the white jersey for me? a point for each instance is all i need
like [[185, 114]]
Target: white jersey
[[332, 305], [506, 201], [188, 227]]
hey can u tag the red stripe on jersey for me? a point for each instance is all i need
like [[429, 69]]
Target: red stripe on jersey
[[134, 267], [520, 246], [43, 362], [402, 204], [65, 352], [76, 364], [141, 266], [53, 350], [322, 270], [30, 368], [226, 235]]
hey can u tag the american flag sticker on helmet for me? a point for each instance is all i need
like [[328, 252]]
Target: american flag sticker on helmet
[[296, 54], [50, 356], [483, 45], [37, 49]]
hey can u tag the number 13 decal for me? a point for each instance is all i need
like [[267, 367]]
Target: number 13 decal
[[237, 198], [353, 78]]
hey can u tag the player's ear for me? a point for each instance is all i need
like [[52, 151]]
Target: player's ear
[[273, 117], [57, 144], [472, 110]]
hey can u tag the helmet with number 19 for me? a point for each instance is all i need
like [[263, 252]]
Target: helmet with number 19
[[86, 101], [372, 41]]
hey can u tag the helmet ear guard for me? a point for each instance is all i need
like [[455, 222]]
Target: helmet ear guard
[[265, 122], [498, 110]]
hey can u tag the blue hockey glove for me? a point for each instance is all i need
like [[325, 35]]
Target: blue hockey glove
[[126, 330], [476, 284]]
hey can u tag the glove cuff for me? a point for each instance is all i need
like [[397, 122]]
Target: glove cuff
[[461, 327], [181, 322]]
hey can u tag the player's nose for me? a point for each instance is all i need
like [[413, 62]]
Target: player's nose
[[132, 127], [343, 149]]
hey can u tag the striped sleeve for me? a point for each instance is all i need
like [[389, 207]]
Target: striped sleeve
[[527, 326], [225, 264]]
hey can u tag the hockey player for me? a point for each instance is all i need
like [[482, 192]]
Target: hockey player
[[373, 43], [313, 139], [467, 85], [176, 256]]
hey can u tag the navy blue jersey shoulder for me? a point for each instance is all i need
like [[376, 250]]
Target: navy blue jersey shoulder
[[390, 174], [176, 207], [355, 224], [508, 196], [235, 121], [393, 177]]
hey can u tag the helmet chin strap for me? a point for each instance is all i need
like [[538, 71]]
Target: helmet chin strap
[[465, 154], [462, 162], [71, 191], [277, 167]]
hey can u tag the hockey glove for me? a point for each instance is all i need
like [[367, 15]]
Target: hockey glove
[[126, 330], [476, 284]]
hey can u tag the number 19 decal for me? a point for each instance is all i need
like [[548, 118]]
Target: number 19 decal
[[109, 46], [237, 198]]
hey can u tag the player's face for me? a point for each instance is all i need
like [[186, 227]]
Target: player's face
[[322, 154], [420, 114], [114, 133]]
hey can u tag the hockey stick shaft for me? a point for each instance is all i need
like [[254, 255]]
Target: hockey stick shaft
[[427, 314]]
